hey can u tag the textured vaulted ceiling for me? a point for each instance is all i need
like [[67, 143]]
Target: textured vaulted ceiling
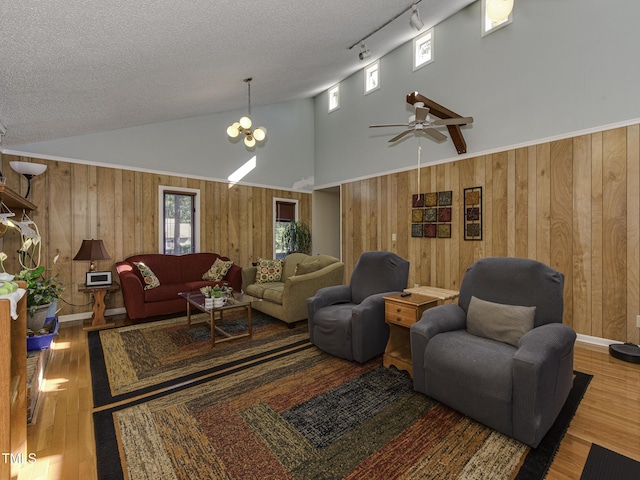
[[70, 67]]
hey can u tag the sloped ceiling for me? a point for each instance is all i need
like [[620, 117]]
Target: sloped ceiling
[[71, 67]]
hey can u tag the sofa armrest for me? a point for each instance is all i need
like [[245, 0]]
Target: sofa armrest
[[248, 275], [234, 277], [298, 288], [440, 319], [132, 290], [542, 379]]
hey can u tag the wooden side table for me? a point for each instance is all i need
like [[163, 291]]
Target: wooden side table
[[99, 292], [400, 313], [442, 294]]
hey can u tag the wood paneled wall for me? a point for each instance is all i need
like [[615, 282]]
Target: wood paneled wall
[[573, 204], [77, 201]]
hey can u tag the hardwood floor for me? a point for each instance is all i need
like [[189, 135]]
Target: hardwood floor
[[63, 440]]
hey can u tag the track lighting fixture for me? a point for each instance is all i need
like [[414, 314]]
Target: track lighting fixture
[[414, 19], [244, 125], [364, 52]]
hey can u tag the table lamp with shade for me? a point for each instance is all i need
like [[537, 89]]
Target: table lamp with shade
[[92, 250]]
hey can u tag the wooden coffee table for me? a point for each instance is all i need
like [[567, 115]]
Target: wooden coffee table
[[237, 302]]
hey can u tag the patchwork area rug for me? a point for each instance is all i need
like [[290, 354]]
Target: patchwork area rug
[[302, 414], [138, 359]]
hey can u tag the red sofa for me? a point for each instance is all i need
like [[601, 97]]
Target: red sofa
[[176, 273]]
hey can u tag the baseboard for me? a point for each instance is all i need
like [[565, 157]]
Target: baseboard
[[74, 317], [603, 342]]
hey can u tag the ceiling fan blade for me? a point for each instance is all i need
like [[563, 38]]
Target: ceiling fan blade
[[388, 125], [421, 114], [453, 121], [398, 137], [436, 135]]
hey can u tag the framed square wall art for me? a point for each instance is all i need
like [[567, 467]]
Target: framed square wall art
[[431, 214], [472, 215]]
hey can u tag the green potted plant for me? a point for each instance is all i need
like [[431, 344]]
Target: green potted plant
[[42, 292], [297, 237], [214, 296]]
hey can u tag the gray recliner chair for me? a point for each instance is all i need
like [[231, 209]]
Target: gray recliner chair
[[501, 355], [348, 320]]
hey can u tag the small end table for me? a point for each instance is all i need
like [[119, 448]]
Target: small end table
[[400, 312], [99, 292]]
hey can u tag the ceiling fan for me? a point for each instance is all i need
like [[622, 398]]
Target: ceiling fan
[[423, 121]]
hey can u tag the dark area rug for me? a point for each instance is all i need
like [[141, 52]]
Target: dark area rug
[[138, 359], [605, 464], [303, 414]]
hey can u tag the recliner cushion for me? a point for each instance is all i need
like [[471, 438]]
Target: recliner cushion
[[473, 375], [504, 323]]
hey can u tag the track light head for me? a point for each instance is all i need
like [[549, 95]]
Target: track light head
[[364, 52], [414, 19]]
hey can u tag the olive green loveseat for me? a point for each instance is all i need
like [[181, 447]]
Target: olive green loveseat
[[286, 299]]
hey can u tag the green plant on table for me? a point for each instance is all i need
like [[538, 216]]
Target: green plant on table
[[212, 291]]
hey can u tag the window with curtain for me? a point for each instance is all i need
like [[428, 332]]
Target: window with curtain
[[284, 212]]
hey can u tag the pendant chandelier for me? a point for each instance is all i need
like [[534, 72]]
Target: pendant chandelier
[[244, 125]]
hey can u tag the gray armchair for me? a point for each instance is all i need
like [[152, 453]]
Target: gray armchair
[[348, 320], [492, 358]]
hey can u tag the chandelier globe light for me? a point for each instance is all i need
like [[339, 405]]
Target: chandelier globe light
[[499, 10], [244, 125]]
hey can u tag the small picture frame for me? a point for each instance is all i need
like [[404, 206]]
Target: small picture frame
[[472, 219], [430, 230], [99, 279]]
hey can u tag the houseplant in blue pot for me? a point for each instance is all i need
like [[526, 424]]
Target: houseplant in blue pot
[[43, 291]]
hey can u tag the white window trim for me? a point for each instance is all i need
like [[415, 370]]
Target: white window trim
[[417, 41], [335, 89], [196, 218], [484, 20], [374, 66], [274, 216]]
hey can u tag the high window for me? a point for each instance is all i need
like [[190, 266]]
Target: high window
[[490, 26], [180, 220], [334, 98], [372, 77], [284, 212], [423, 49]]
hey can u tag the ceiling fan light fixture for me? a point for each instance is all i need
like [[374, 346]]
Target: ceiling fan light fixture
[[499, 10], [414, 19]]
